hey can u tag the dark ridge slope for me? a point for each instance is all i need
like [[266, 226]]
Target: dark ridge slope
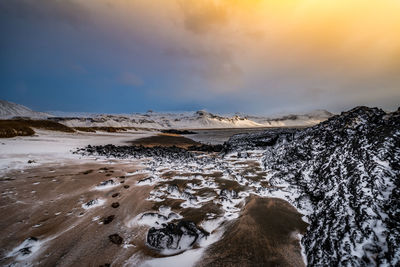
[[345, 172]]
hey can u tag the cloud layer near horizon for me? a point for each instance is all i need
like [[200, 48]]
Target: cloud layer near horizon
[[258, 56]]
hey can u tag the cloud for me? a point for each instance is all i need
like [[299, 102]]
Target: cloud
[[258, 54], [130, 79], [200, 17], [66, 11], [211, 65]]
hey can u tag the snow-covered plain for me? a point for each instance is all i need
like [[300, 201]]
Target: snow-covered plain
[[52, 147]]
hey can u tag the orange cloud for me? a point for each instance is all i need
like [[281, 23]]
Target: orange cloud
[[270, 45]]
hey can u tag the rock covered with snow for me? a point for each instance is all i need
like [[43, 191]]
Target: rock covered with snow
[[181, 235], [258, 140], [345, 174]]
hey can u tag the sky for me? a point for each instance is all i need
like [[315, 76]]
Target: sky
[[250, 56]]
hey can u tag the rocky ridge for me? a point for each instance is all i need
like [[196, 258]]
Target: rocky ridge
[[345, 175]]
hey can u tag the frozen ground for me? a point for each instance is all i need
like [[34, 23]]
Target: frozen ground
[[51, 147], [218, 194], [163, 206], [342, 174], [116, 208]]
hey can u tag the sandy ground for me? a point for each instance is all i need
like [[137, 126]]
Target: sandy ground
[[264, 235], [46, 203], [46, 200], [51, 147]]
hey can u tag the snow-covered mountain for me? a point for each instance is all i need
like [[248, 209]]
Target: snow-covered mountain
[[308, 119], [9, 110], [188, 120], [196, 120]]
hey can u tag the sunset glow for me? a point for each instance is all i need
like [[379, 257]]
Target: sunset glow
[[336, 53]]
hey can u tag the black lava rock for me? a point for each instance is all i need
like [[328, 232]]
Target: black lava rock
[[108, 219], [116, 239], [175, 236], [174, 131], [346, 170]]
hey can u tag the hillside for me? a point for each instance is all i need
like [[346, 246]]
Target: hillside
[[10, 110]]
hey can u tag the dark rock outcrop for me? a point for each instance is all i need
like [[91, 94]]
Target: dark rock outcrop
[[174, 131], [346, 172], [258, 140], [182, 235]]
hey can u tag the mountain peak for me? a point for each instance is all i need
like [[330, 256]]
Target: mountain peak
[[9, 110]]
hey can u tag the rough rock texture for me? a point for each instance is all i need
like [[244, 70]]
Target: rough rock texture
[[182, 235], [345, 172], [116, 239], [138, 152], [258, 140], [108, 219]]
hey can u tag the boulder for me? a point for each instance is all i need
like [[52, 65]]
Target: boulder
[[181, 235]]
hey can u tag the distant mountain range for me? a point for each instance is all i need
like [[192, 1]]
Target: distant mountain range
[[189, 120]]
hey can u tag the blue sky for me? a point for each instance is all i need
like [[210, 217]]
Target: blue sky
[[131, 56]]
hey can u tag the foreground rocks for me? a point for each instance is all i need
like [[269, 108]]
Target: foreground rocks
[[116, 239], [179, 236]]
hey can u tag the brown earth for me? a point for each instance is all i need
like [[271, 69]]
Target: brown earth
[[163, 139], [46, 202], [23, 127]]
